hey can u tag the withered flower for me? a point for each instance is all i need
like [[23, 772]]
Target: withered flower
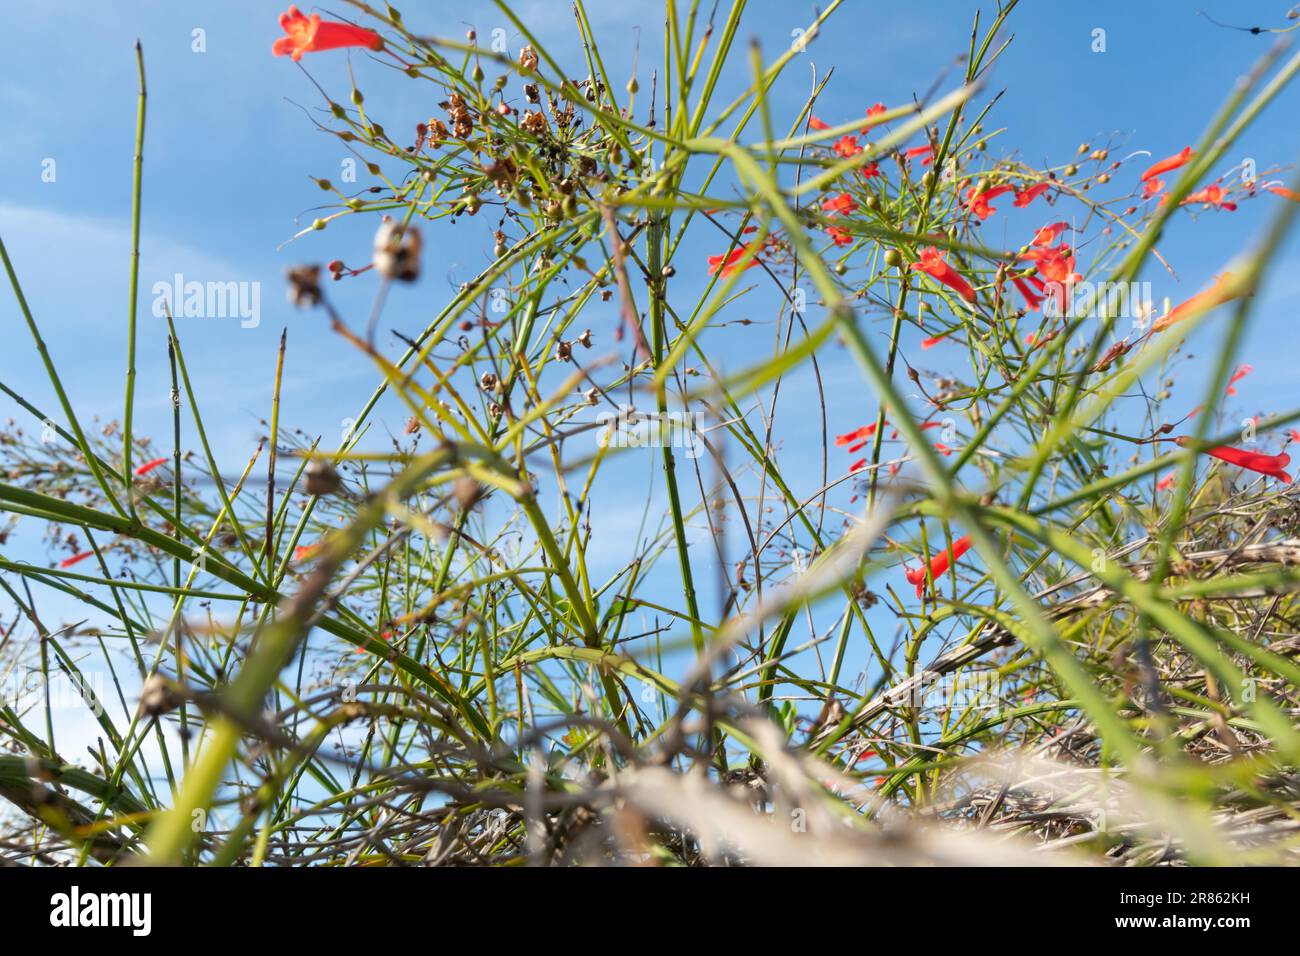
[[321, 478], [535, 123], [157, 697], [397, 251], [304, 285]]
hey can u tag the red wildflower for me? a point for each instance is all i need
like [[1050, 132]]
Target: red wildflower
[[730, 262], [847, 146], [839, 236], [1217, 294], [1047, 234], [149, 466], [1285, 193], [817, 124], [841, 204], [1029, 287], [915, 151], [1165, 483], [876, 109], [305, 552], [1269, 465], [853, 437], [69, 562], [938, 564], [312, 35], [1025, 196], [1152, 187], [870, 170], [977, 201], [857, 465], [1211, 195], [942, 449], [1237, 376], [1170, 162], [1056, 265], [932, 341], [936, 267]]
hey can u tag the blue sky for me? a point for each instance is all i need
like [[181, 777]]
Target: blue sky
[[230, 148]]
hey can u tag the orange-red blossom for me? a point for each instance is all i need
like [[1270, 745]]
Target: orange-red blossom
[[1270, 465], [933, 264], [312, 35], [938, 564], [1217, 294], [1168, 163]]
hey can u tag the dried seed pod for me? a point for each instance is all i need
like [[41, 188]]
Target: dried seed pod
[[488, 381], [535, 123], [304, 285], [321, 478], [436, 132], [157, 697], [397, 251], [467, 492], [528, 58]]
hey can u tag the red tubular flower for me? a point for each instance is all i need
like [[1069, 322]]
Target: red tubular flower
[[1152, 187], [853, 437], [1056, 264], [1029, 287], [874, 110], [817, 124], [312, 35], [857, 465], [1269, 465], [1170, 162], [1025, 196], [938, 564], [932, 341], [1285, 193], [870, 170], [149, 466], [730, 262], [1165, 483], [1047, 234], [936, 267], [1237, 376], [839, 236], [69, 562], [1211, 195], [842, 204], [915, 151], [846, 146], [305, 552], [977, 201], [1215, 295]]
